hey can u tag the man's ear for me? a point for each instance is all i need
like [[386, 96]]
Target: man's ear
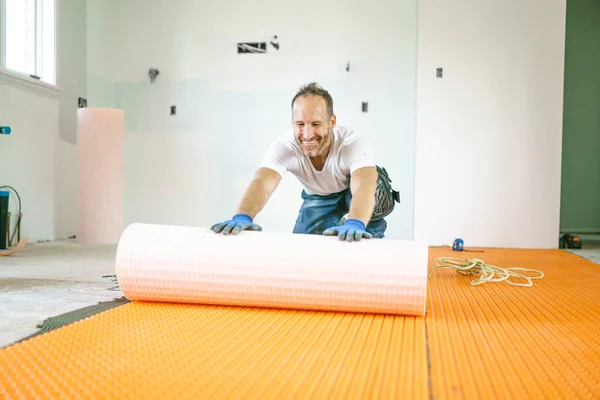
[[333, 121]]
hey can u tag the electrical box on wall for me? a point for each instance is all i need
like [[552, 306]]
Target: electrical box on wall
[[258, 47]]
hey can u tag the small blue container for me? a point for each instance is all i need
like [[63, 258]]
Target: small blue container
[[5, 130], [458, 245]]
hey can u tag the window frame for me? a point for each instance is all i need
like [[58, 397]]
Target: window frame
[[20, 77]]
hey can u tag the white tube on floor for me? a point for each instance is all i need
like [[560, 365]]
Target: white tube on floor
[[260, 269], [100, 175]]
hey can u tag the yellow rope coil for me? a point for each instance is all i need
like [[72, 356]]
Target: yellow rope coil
[[488, 272]]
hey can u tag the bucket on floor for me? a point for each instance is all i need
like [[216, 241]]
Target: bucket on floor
[[4, 230]]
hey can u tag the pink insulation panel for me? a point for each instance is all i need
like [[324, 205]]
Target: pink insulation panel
[[260, 269], [100, 175]]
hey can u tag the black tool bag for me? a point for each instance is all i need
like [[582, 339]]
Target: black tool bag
[[385, 196]]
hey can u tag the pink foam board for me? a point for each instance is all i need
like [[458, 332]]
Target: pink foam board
[[100, 175]]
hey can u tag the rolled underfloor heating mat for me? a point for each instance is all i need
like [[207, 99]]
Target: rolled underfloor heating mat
[[183, 264]]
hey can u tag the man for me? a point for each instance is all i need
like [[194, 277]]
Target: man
[[334, 165]]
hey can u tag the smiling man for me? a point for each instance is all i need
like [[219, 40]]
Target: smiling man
[[335, 166]]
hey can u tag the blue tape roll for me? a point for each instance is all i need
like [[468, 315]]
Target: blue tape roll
[[458, 245]]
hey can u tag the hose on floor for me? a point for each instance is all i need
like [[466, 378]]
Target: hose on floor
[[487, 272]]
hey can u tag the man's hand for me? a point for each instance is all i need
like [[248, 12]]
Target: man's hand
[[238, 223], [255, 197], [352, 229]]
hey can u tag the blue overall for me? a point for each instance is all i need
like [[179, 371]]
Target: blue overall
[[318, 213]]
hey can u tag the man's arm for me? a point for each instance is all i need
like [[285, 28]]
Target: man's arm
[[266, 179], [258, 192], [363, 184]]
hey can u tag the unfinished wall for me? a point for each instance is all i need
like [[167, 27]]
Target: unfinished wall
[[27, 154], [72, 78], [38, 158], [192, 168], [489, 131]]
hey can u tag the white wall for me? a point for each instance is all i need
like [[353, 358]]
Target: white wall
[[38, 158], [100, 52], [72, 78], [27, 156], [191, 169], [489, 132]]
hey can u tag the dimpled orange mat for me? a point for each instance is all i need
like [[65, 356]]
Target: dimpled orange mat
[[496, 341], [160, 350], [487, 341]]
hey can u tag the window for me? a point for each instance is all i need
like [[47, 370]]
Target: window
[[28, 38]]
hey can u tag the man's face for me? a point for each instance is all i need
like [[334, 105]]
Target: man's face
[[312, 127]]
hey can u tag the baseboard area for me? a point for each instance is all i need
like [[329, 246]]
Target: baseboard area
[[580, 230]]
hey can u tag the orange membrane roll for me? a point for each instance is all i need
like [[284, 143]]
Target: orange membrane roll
[[259, 269]]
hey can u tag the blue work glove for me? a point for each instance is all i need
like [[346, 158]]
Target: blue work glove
[[353, 229], [238, 223]]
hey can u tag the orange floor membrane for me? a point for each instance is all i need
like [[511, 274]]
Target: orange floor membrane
[[144, 350], [496, 341], [487, 341]]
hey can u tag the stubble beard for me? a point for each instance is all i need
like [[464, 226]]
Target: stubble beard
[[315, 151]]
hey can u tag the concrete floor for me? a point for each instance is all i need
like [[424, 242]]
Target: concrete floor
[[590, 247], [48, 279]]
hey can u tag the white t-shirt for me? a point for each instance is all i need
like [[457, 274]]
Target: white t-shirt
[[348, 152]]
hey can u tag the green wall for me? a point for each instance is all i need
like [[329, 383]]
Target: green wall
[[580, 192]]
